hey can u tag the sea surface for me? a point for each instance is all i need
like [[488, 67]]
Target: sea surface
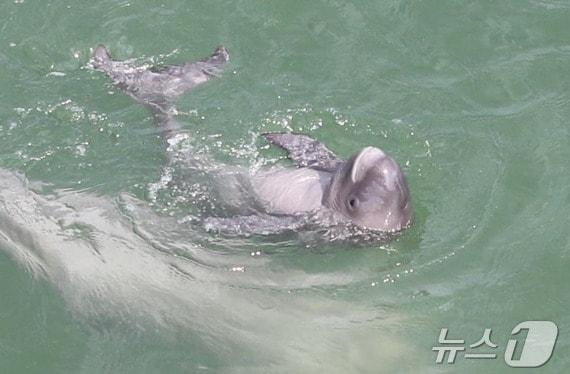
[[103, 271]]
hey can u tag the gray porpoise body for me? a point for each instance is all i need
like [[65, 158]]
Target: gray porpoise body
[[291, 191], [368, 189]]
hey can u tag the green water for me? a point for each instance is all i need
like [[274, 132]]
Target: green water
[[97, 275]]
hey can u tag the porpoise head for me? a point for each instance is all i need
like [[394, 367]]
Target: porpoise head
[[371, 191]]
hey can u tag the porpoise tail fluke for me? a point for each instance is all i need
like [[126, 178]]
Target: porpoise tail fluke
[[155, 87]]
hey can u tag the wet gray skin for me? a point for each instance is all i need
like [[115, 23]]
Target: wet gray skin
[[368, 190]]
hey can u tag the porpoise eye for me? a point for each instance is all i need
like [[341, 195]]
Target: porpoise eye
[[352, 203]]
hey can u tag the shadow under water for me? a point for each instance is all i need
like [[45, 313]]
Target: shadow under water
[[117, 263]]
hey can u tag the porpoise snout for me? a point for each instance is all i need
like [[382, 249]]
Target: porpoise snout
[[372, 192], [391, 173]]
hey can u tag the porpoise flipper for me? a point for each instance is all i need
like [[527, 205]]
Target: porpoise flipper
[[263, 224], [159, 87], [305, 151]]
